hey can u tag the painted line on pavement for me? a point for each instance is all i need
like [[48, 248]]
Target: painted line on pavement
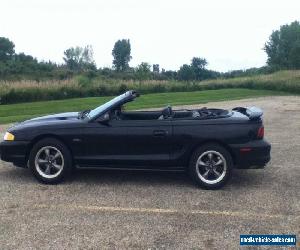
[[167, 211]]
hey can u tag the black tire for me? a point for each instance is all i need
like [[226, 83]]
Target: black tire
[[214, 153], [53, 147]]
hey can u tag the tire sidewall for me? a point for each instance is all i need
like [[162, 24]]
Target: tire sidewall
[[194, 158], [66, 155]]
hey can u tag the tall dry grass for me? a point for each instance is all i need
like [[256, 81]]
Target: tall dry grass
[[26, 91]]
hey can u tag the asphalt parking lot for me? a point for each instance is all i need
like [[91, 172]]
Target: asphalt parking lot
[[142, 210]]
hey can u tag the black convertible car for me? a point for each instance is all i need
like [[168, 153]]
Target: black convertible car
[[207, 143]]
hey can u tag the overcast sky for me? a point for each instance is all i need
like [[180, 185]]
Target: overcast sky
[[230, 34]]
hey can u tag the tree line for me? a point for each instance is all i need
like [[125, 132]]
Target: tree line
[[282, 48]]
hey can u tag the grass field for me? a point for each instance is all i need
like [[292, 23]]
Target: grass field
[[22, 111]]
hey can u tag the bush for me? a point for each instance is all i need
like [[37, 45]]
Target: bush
[[83, 81]]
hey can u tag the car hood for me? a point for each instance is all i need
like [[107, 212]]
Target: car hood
[[61, 118], [58, 117]]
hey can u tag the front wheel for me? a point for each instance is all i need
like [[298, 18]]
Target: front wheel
[[50, 161], [211, 166]]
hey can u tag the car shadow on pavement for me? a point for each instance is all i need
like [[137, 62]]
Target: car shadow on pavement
[[131, 177], [247, 178], [240, 178], [10, 173]]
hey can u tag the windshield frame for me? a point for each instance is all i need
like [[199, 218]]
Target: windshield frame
[[113, 103]]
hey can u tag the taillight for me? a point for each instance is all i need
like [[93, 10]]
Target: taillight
[[261, 133]]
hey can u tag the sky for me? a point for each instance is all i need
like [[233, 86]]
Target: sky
[[230, 34]]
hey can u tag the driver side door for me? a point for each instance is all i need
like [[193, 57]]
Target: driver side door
[[128, 143]]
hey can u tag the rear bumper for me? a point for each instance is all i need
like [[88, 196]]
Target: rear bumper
[[15, 152], [255, 154]]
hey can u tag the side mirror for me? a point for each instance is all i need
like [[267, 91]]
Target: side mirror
[[104, 119]]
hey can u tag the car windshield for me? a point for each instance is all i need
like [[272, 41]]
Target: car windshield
[[95, 112]]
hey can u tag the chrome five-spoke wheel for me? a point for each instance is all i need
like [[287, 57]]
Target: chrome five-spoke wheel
[[49, 162], [211, 167]]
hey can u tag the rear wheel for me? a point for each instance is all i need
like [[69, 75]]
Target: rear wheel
[[50, 161], [211, 166]]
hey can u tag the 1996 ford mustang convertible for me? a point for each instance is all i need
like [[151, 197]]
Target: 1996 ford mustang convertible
[[207, 143]]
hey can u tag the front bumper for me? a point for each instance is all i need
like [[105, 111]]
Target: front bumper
[[254, 154], [15, 152]]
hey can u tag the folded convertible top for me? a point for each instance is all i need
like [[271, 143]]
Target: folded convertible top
[[253, 113]]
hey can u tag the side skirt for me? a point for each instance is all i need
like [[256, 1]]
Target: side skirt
[[126, 168]]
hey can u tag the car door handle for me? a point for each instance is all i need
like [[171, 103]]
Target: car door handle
[[160, 133]]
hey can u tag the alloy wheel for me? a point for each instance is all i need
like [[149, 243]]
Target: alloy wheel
[[49, 162], [211, 167]]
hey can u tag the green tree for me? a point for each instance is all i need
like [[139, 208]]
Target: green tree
[[143, 71], [198, 64], [122, 54], [186, 73], [155, 68], [7, 49], [79, 59], [283, 47]]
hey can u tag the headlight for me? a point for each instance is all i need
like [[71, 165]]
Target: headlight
[[9, 137]]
